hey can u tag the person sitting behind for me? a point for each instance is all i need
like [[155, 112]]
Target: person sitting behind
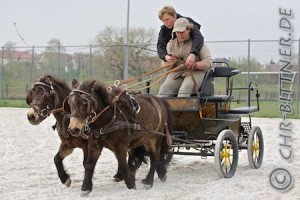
[[184, 82], [168, 16]]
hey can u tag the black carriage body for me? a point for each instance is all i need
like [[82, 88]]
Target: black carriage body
[[200, 119], [206, 123], [204, 116]]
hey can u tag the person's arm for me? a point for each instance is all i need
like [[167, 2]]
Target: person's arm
[[197, 39], [197, 43], [162, 45], [203, 64], [171, 60], [205, 59]]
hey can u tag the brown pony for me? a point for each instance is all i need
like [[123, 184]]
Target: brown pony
[[46, 97], [116, 120]]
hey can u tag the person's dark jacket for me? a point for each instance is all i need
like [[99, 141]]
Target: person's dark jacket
[[165, 35]]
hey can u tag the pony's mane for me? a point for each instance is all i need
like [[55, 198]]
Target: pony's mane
[[107, 97], [98, 88], [58, 81]]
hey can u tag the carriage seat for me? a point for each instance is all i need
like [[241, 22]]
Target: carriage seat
[[207, 87]]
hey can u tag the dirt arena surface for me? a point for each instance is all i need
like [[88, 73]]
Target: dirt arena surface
[[27, 170]]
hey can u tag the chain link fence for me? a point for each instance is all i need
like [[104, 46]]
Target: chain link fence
[[258, 60]]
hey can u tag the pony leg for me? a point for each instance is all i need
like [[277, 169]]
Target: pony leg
[[64, 151], [155, 157], [162, 169], [85, 153], [118, 177], [165, 159], [129, 178], [93, 154], [136, 157]]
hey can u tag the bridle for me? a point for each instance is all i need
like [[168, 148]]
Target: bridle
[[92, 115], [50, 105], [91, 102]]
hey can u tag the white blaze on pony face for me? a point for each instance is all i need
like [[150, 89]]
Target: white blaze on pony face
[[75, 123], [33, 117], [76, 126]]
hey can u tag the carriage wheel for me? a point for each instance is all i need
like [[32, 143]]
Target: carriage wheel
[[255, 147], [226, 154]]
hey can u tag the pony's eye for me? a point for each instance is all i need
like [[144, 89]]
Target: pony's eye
[[85, 104]]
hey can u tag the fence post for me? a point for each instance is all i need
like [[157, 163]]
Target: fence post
[[2, 65], [31, 67], [6, 91], [78, 71], [58, 58], [248, 69], [90, 70], [298, 82]]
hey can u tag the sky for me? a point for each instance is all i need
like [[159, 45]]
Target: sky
[[77, 22]]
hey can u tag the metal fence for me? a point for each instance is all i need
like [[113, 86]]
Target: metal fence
[[20, 66]]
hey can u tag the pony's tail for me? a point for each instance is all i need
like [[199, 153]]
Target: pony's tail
[[137, 157], [166, 151]]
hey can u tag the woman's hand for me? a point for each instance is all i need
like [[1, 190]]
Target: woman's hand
[[190, 61], [171, 58]]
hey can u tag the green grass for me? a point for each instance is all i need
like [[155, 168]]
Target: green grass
[[270, 109], [15, 103]]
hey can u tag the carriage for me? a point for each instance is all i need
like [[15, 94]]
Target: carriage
[[207, 124]]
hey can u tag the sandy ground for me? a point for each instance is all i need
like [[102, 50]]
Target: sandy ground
[[28, 170]]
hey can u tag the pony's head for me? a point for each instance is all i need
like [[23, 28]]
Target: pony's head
[[43, 98], [85, 101]]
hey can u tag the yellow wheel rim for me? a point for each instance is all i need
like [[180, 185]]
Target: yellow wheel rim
[[225, 155], [255, 147]]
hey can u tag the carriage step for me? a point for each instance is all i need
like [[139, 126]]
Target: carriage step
[[180, 134], [244, 110]]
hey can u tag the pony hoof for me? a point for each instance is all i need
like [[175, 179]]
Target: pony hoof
[[85, 193], [148, 187], [163, 179], [117, 179], [147, 184], [68, 182]]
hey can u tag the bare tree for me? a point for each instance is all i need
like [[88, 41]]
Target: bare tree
[[10, 47], [111, 43], [55, 45]]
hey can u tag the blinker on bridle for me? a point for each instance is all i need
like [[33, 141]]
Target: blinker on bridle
[[90, 99], [50, 105]]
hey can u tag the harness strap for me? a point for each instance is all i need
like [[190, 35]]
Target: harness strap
[[118, 126], [56, 110], [116, 98]]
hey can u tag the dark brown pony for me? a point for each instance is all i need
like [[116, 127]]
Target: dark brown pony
[[46, 97], [115, 120]]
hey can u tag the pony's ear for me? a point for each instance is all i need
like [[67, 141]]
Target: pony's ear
[[91, 84], [48, 79], [74, 84]]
